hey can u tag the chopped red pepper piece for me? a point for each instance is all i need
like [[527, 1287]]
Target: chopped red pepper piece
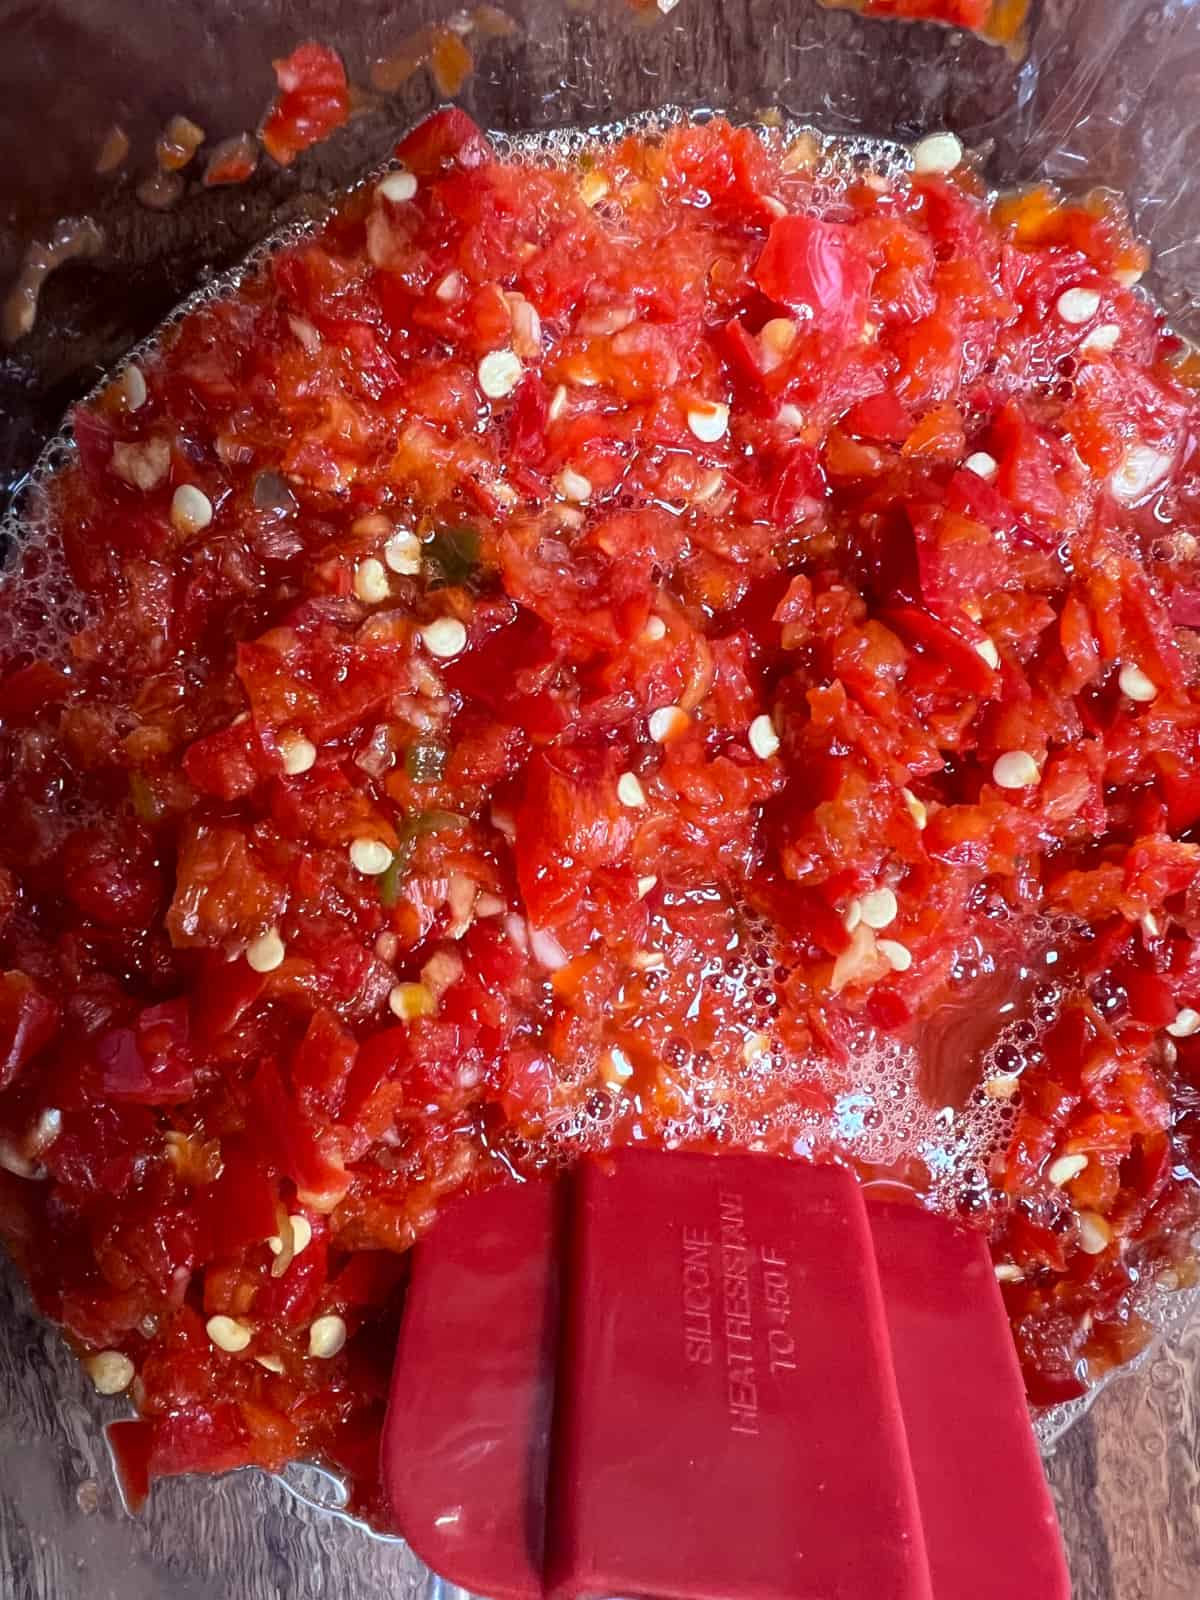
[[816, 268], [314, 100], [28, 1022]]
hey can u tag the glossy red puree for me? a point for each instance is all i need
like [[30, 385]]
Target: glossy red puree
[[666, 649]]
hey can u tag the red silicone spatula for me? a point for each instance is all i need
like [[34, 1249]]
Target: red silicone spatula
[[678, 1375]]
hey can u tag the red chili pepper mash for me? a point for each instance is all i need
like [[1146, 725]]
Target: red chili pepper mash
[[581, 655], [999, 20]]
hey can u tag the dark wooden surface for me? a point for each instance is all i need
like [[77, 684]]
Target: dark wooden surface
[[1126, 1480]]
